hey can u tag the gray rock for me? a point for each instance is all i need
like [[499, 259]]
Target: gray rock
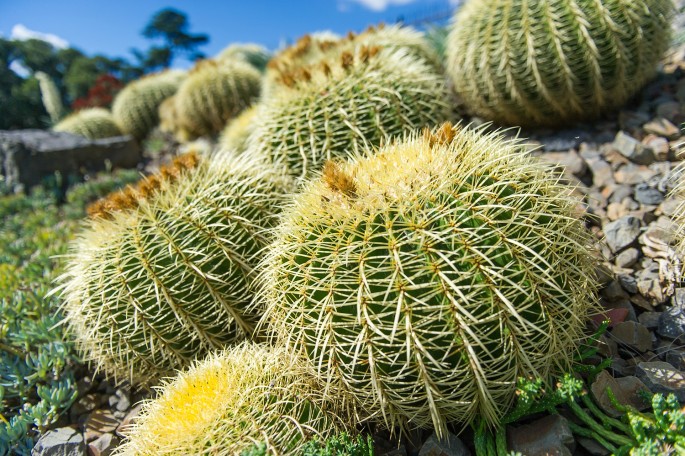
[[63, 441], [450, 445], [625, 389], [620, 191], [103, 445], [550, 435], [570, 161], [602, 174], [649, 320], [659, 145], [676, 358], [633, 334], [622, 233], [120, 400], [672, 320], [632, 149], [628, 283], [661, 377], [28, 156], [99, 422], [649, 284], [627, 258], [670, 110], [644, 194], [632, 174]]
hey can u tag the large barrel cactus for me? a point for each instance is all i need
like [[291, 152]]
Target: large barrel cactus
[[163, 272], [92, 123], [234, 137], [549, 62], [214, 93], [254, 54], [135, 107], [225, 404], [338, 107], [428, 277]]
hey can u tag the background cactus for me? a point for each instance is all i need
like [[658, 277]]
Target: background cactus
[[229, 402], [431, 275], [92, 123], [235, 135], [163, 272], [254, 54], [550, 62], [370, 95], [214, 93], [135, 108]]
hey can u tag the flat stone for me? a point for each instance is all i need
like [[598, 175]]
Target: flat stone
[[627, 258], [632, 149], [659, 145], [550, 435], [625, 389], [661, 377], [662, 127], [676, 358], [632, 174], [633, 334], [628, 282], [622, 233], [644, 194], [649, 284], [65, 441], [99, 422], [570, 161], [449, 445], [602, 173], [103, 445], [649, 320], [672, 320]]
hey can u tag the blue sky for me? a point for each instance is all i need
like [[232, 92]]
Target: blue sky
[[113, 28]]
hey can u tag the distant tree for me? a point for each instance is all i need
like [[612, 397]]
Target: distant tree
[[171, 26]]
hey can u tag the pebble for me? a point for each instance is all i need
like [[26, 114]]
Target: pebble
[[625, 389], [627, 258], [661, 377], [662, 127], [550, 435], [632, 149], [99, 422], [633, 334], [449, 445], [672, 320], [622, 232], [645, 194], [64, 441]]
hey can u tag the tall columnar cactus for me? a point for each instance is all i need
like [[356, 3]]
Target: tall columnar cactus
[[49, 93], [550, 62], [92, 123], [254, 54], [235, 135], [163, 272], [225, 404], [429, 276], [214, 93], [340, 106], [135, 108]]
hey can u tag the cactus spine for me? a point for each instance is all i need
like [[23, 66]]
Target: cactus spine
[[92, 123], [550, 62], [370, 96], [162, 273], [429, 276], [215, 92], [224, 404], [135, 108]]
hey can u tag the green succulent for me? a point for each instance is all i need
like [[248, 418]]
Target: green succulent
[[342, 106], [427, 277], [550, 62], [162, 273], [92, 123], [214, 93], [135, 108], [223, 405]]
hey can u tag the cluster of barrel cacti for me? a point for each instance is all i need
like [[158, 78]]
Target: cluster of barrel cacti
[[372, 261]]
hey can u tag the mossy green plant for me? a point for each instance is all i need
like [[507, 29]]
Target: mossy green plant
[[551, 62], [427, 277], [92, 123], [135, 108], [225, 404], [214, 93], [162, 272], [340, 107]]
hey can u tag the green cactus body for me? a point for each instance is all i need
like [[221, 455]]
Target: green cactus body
[[235, 135], [549, 62], [429, 276], [341, 106], [225, 404], [254, 54], [135, 108], [399, 37], [214, 93], [92, 123], [164, 273]]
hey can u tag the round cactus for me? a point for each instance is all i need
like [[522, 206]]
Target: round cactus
[[214, 93], [235, 135], [228, 402], [163, 272], [337, 107], [550, 62], [254, 54], [135, 108], [427, 277], [92, 123]]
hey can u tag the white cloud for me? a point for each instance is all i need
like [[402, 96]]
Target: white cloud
[[21, 32], [380, 5]]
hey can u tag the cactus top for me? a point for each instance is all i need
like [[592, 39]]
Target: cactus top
[[429, 276], [548, 62]]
